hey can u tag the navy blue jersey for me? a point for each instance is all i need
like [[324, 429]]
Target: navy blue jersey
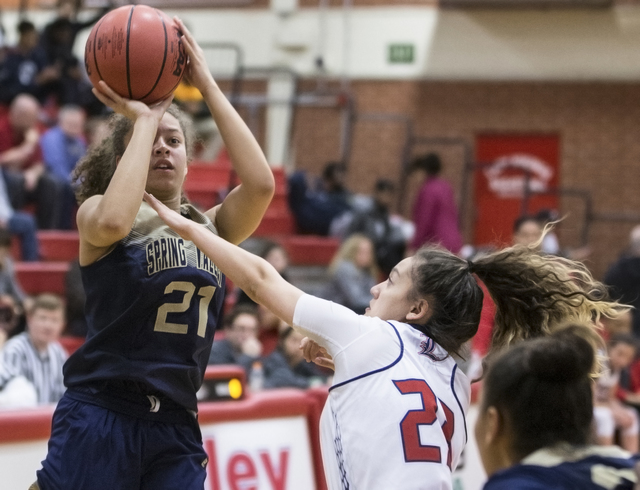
[[590, 468], [153, 304]]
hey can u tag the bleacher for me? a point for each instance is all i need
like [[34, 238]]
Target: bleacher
[[206, 185]]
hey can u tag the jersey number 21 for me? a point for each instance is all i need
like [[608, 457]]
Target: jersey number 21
[[414, 450]]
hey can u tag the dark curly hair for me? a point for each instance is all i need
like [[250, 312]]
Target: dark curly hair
[[94, 171]]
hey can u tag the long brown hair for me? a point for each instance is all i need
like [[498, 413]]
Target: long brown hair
[[534, 295], [94, 171]]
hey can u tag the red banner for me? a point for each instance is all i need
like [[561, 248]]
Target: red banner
[[505, 163]]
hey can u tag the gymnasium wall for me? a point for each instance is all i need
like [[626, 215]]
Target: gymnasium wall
[[571, 72]]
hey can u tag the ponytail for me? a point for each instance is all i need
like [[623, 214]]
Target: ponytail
[[535, 293]]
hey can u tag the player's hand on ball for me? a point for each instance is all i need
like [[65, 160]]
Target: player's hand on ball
[[313, 352], [196, 72], [131, 109], [176, 222]]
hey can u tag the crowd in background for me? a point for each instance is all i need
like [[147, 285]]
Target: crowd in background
[[48, 119]]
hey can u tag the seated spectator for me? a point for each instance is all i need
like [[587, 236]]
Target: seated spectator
[[277, 256], [609, 412], [314, 210], [534, 425], [36, 354], [26, 69], [286, 367], [192, 102], [353, 273], [20, 224], [21, 160], [240, 344], [376, 222], [269, 331], [9, 285], [527, 231], [62, 147]]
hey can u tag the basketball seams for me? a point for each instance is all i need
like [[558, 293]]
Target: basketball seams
[[164, 58], [127, 51], [95, 58]]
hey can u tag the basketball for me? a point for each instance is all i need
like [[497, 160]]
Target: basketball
[[137, 51]]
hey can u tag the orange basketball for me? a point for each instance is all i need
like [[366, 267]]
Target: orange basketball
[[137, 50]]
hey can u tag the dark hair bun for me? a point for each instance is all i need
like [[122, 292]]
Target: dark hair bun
[[563, 357]]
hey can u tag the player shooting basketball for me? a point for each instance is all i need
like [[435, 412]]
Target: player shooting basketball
[[127, 419]]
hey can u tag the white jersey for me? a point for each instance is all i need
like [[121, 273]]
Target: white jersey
[[395, 416]]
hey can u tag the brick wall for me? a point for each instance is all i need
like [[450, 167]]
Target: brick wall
[[598, 124]]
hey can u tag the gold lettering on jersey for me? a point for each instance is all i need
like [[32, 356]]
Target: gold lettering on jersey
[[205, 264], [165, 253]]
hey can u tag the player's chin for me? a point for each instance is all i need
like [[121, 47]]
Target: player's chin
[[367, 311]]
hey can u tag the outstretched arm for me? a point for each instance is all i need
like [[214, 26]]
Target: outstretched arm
[[242, 210], [251, 273]]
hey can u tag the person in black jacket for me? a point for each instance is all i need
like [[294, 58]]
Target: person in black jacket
[[623, 278]]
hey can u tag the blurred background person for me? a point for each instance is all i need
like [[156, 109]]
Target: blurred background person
[[286, 367], [352, 274], [623, 277], [376, 222], [315, 209], [240, 344], [36, 354], [62, 146], [435, 213], [527, 230], [21, 160], [26, 68], [277, 256], [610, 413]]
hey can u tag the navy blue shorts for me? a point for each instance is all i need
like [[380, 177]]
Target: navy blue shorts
[[124, 447]]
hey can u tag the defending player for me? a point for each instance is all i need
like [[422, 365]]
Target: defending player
[[127, 420], [535, 419], [395, 416]]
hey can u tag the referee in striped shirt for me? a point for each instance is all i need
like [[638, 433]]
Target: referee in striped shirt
[[36, 354]]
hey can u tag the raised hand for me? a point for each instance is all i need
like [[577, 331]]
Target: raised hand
[[132, 109], [178, 223], [197, 72]]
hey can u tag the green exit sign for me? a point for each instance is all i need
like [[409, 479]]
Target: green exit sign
[[401, 53]]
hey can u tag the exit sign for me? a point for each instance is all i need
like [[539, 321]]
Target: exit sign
[[401, 53]]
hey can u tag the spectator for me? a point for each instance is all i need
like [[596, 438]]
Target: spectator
[[191, 101], [609, 412], [286, 367], [623, 277], [435, 213], [353, 273], [269, 332], [21, 159], [527, 231], [550, 243], [62, 147], [315, 210], [240, 344], [9, 285], [277, 256], [36, 354], [26, 68], [375, 221]]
